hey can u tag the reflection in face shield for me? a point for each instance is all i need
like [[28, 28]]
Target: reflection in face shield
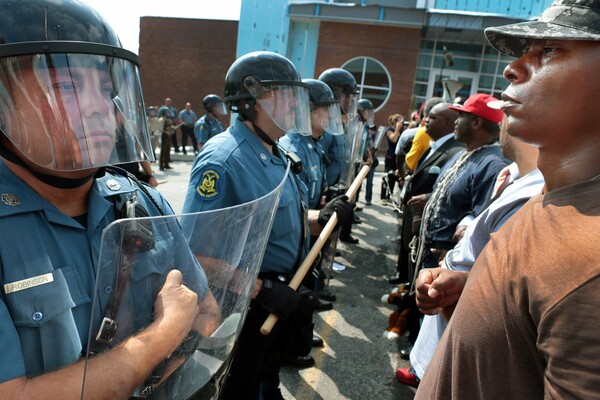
[[63, 110], [220, 109], [319, 121], [282, 106], [349, 103], [327, 118], [85, 94], [369, 117], [286, 104]]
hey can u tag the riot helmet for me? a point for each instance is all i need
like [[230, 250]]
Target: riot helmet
[[213, 104], [324, 108], [366, 112], [272, 81], [70, 95], [344, 88]]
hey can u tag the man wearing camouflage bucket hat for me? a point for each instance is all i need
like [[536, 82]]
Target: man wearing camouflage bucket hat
[[526, 326]]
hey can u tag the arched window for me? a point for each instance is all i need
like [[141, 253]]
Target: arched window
[[373, 79]]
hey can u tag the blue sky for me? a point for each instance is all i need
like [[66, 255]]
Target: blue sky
[[124, 15]]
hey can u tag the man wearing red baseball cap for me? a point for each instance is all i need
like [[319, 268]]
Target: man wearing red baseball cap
[[465, 185], [478, 105]]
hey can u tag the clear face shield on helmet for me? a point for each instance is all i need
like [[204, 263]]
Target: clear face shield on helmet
[[369, 116], [328, 118], [219, 109], [349, 103], [69, 112], [285, 102]]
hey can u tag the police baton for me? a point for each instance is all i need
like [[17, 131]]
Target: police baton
[[268, 325]]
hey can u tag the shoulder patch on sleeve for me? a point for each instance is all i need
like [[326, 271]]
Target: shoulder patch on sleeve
[[209, 185]]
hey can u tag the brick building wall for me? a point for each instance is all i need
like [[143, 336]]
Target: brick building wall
[[185, 59], [396, 48]]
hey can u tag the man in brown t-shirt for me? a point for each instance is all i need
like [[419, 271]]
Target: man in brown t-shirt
[[526, 326]]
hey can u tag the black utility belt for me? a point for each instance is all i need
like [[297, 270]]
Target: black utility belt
[[281, 277]]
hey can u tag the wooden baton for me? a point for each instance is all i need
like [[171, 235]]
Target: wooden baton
[[269, 323]]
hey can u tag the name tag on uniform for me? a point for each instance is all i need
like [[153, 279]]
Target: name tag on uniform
[[28, 283]]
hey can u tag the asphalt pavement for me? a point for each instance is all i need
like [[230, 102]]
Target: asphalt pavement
[[357, 362]]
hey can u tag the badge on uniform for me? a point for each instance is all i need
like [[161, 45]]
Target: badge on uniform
[[10, 199], [208, 188]]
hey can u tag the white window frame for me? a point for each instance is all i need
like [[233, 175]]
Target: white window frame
[[361, 85]]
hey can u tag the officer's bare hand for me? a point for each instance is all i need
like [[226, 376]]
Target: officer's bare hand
[[209, 315], [438, 288], [418, 202], [176, 305]]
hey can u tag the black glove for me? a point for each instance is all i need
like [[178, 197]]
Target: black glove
[[341, 206], [278, 298]]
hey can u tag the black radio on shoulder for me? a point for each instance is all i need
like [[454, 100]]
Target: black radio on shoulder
[[295, 161]]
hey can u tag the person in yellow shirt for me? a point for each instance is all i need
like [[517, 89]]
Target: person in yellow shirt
[[422, 139]]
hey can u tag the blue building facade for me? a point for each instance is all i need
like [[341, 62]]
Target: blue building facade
[[451, 45]]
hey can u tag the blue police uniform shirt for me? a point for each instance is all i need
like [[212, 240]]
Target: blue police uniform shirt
[[235, 167], [188, 117], [207, 127], [468, 194], [334, 147], [313, 171], [45, 325]]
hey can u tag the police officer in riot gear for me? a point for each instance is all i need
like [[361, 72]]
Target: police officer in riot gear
[[344, 88], [366, 112], [325, 117], [242, 164], [70, 105], [339, 150], [209, 125]]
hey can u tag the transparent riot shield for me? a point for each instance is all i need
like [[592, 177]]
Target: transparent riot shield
[[219, 254], [379, 137], [352, 137]]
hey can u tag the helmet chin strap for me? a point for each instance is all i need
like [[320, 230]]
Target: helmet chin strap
[[56, 181], [247, 114], [266, 138]]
